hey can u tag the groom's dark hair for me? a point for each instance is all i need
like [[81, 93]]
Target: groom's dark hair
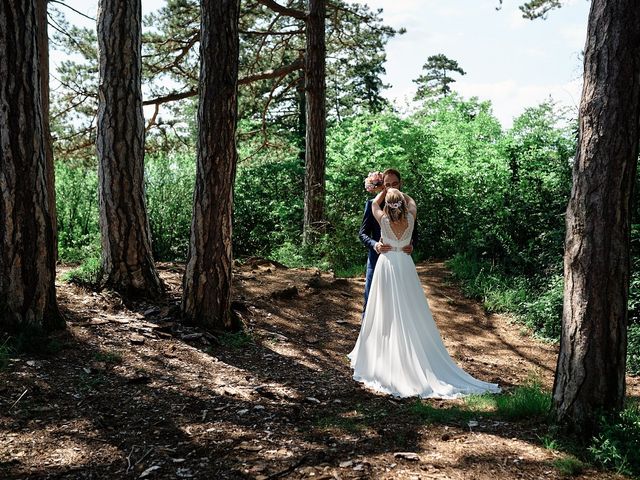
[[391, 171]]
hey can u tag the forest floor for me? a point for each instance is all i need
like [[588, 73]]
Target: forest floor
[[130, 392]]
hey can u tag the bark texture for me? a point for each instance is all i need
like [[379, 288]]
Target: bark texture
[[590, 376], [27, 215], [43, 55], [207, 281], [127, 260], [315, 89]]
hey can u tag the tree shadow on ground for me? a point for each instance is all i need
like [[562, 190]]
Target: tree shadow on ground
[[280, 406]]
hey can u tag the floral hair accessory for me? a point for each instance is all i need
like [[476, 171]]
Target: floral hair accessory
[[373, 181], [397, 204]]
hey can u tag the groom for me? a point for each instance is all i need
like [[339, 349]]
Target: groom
[[370, 228]]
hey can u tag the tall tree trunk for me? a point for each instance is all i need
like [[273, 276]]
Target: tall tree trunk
[[43, 47], [206, 299], [27, 243], [315, 87], [127, 260], [591, 366], [302, 117]]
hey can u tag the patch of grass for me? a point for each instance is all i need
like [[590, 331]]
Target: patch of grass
[[430, 414], [90, 382], [235, 340], [88, 274], [354, 420], [549, 441], [526, 401], [108, 357], [569, 466], [348, 424], [480, 403]]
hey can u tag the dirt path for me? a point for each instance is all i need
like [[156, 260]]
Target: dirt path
[[133, 393]]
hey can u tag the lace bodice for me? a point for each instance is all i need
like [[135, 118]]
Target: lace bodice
[[389, 237]]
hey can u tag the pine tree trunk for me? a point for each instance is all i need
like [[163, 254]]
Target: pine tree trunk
[[127, 260], [590, 376], [43, 46], [207, 281], [315, 87], [302, 117], [27, 247]]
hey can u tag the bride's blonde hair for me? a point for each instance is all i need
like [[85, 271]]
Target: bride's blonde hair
[[395, 206]]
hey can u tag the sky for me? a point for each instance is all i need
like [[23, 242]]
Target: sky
[[513, 62]]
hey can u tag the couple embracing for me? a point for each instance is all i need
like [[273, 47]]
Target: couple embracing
[[399, 350]]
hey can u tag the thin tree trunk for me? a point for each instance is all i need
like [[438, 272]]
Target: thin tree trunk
[[590, 376], [127, 260], [27, 218], [315, 87], [206, 298]]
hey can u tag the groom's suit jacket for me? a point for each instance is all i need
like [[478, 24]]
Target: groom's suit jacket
[[370, 233]]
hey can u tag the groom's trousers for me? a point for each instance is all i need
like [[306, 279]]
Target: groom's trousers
[[371, 266]]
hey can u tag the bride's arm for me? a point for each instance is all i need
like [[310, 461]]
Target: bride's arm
[[411, 205], [375, 205]]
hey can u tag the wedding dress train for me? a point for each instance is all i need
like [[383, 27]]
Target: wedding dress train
[[399, 350]]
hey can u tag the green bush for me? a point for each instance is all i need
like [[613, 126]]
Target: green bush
[[544, 313], [617, 446], [77, 211], [88, 274], [633, 349], [169, 182], [268, 207]]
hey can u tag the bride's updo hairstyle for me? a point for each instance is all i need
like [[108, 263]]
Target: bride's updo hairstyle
[[394, 205]]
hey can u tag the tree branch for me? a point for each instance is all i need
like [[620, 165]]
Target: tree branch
[[289, 12], [275, 73], [73, 9], [254, 32]]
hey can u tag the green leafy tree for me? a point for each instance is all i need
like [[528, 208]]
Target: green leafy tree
[[271, 80], [437, 77], [537, 8]]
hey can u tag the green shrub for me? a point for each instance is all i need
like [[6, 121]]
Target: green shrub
[[617, 446], [169, 182], [544, 313], [633, 349], [77, 212], [88, 274]]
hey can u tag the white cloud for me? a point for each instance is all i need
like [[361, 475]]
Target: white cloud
[[536, 52], [574, 34], [509, 99]]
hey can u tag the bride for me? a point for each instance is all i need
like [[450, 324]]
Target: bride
[[399, 350]]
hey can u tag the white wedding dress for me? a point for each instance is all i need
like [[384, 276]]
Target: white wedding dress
[[399, 350]]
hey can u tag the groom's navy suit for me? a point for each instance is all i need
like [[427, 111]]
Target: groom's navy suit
[[370, 235]]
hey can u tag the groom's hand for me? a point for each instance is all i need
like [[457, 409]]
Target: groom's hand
[[408, 249], [381, 248]]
